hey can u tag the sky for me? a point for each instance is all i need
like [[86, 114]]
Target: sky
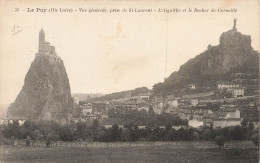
[[111, 52]]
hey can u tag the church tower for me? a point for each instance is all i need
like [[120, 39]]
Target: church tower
[[41, 40]]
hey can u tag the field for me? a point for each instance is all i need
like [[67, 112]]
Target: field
[[131, 152]]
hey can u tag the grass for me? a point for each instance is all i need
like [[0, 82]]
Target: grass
[[127, 154]]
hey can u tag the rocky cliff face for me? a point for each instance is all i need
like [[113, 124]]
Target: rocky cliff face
[[46, 91], [233, 54]]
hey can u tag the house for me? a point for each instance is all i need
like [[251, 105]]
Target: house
[[161, 127], [176, 127], [146, 108], [238, 92], [227, 85], [173, 102], [208, 119], [141, 127], [100, 107], [143, 105], [185, 114], [195, 123], [229, 116], [194, 102], [91, 116], [87, 109], [145, 96], [157, 110], [11, 119], [125, 107], [173, 110], [76, 100], [108, 126], [191, 86], [226, 122], [232, 113]]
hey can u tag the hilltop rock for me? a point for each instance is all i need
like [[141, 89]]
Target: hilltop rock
[[45, 94], [234, 54]]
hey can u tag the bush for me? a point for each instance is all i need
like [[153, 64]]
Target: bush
[[27, 141], [196, 136], [125, 136], [220, 140], [206, 134], [255, 139]]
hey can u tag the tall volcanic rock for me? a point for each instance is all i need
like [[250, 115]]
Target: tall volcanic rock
[[46, 91], [234, 54]]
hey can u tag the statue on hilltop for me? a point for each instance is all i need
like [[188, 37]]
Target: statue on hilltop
[[235, 24]]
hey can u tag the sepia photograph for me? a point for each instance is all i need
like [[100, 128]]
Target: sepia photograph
[[149, 81]]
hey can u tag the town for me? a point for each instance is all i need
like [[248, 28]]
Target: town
[[226, 105], [209, 107]]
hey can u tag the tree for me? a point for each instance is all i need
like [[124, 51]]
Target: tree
[[48, 140], [66, 134], [196, 136], [168, 127], [125, 136], [27, 141], [244, 123], [80, 131], [115, 133], [205, 134], [150, 111], [220, 140], [95, 125], [157, 88], [255, 140], [36, 135], [251, 126]]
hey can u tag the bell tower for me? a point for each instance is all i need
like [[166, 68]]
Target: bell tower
[[41, 40]]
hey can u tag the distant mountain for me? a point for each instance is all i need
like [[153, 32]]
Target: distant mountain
[[234, 54], [122, 94], [3, 110], [85, 96], [46, 91]]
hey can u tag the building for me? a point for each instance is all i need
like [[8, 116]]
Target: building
[[143, 105], [229, 116], [100, 108], [125, 107], [185, 114], [223, 85], [192, 86], [76, 100], [7, 120], [86, 109], [226, 122], [194, 102], [173, 102], [238, 92], [45, 49], [195, 123], [231, 113], [44, 46]]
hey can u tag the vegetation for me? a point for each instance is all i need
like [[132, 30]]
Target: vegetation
[[255, 139], [145, 118], [51, 131], [118, 95], [220, 140]]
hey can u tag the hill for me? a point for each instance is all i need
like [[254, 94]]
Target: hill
[[85, 96], [45, 94], [233, 55], [122, 94]]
